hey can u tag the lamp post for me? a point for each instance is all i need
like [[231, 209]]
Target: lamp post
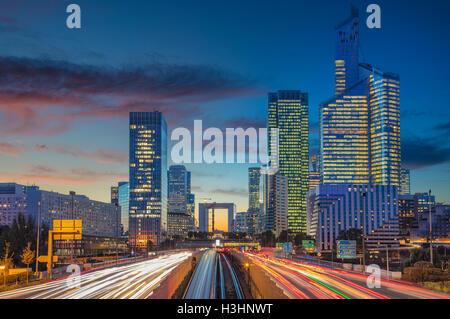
[[37, 240], [117, 232], [364, 230], [72, 193], [431, 235]]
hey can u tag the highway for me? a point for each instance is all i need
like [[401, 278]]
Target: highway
[[131, 281], [304, 281], [214, 278]]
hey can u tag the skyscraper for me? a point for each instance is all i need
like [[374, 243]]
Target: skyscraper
[[254, 174], [148, 179], [314, 173], [347, 53], [114, 194], [276, 196], [288, 112], [178, 184], [360, 125], [124, 203], [180, 218], [405, 184]]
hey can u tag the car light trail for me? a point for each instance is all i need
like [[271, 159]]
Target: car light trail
[[131, 281]]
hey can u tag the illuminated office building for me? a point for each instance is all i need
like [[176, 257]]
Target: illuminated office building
[[124, 204], [99, 219], [347, 51], [314, 173], [148, 179], [360, 125], [254, 174], [114, 194], [276, 206], [340, 207], [405, 182], [180, 219], [288, 112]]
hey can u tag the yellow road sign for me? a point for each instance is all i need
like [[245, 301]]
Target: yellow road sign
[[44, 259], [67, 229]]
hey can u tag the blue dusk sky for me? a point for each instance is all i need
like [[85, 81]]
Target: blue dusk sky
[[65, 93]]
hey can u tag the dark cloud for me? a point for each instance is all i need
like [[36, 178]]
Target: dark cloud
[[9, 25], [423, 152], [45, 96], [103, 156], [443, 127]]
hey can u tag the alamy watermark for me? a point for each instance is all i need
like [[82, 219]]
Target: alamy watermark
[[234, 145]]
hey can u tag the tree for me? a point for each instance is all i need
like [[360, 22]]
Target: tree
[[7, 262], [27, 256], [300, 237], [267, 239], [351, 234]]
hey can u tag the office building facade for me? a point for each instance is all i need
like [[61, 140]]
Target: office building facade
[[288, 113], [405, 182], [360, 125], [276, 203], [371, 208], [180, 217], [98, 218], [148, 179], [124, 204]]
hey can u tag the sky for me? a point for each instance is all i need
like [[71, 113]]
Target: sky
[[65, 93]]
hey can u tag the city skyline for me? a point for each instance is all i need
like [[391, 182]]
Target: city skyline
[[62, 154]]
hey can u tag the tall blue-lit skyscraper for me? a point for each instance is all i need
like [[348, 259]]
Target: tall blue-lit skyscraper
[[360, 125], [347, 53], [148, 179]]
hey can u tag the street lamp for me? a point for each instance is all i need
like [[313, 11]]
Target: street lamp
[[72, 193], [363, 195], [247, 267], [431, 238], [37, 240]]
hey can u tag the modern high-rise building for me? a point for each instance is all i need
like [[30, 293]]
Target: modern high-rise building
[[276, 203], [124, 204], [254, 175], [288, 112], [347, 53], [371, 208], [178, 189], [314, 173], [99, 219], [405, 184], [180, 218], [114, 194], [360, 125], [148, 179]]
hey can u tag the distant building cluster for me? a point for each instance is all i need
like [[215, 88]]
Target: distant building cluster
[[356, 181]]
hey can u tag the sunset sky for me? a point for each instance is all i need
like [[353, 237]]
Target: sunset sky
[[65, 94]]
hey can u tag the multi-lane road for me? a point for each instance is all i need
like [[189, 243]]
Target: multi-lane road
[[131, 281], [214, 278], [304, 281]]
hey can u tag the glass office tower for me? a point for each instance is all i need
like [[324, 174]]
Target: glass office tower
[[360, 125], [347, 53], [288, 112], [254, 176], [124, 203], [384, 105], [148, 179], [405, 182]]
